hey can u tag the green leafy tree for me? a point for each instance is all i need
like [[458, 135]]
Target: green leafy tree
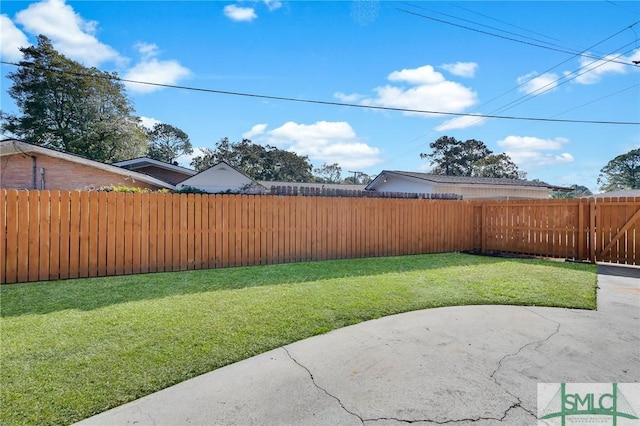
[[455, 158], [623, 172], [166, 143], [257, 161], [452, 157], [69, 107], [497, 166], [328, 173], [577, 191], [358, 178]]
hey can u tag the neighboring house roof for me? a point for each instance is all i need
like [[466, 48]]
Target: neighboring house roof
[[624, 193], [460, 180], [143, 162], [222, 177], [14, 146], [268, 184]]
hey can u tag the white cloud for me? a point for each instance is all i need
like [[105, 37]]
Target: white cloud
[[424, 89], [323, 141], [531, 153], [256, 130], [423, 75], [533, 83], [11, 39], [185, 159], [146, 50], [149, 122], [348, 98], [594, 70], [240, 14], [461, 123], [152, 70], [461, 69], [69, 33], [273, 4]]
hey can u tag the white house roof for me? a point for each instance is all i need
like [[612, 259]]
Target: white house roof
[[460, 180], [622, 193], [137, 163], [268, 184], [14, 146]]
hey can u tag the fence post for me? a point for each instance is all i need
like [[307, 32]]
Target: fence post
[[581, 237], [483, 230], [592, 230]]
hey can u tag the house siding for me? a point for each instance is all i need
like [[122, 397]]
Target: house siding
[[17, 173], [505, 192]]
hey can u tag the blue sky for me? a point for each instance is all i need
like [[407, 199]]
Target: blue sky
[[518, 59]]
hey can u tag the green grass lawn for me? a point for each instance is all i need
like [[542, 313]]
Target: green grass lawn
[[71, 349]]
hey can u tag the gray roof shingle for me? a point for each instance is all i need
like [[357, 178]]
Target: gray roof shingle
[[472, 180]]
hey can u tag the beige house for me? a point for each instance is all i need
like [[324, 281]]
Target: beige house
[[470, 188], [222, 178], [27, 166]]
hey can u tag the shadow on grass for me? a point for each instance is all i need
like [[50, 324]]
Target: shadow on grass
[[94, 293]]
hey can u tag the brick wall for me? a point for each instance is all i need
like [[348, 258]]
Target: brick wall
[[16, 172]]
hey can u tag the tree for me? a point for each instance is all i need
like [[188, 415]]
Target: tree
[[577, 191], [497, 166], [328, 173], [166, 143], [470, 158], [623, 172], [69, 107], [455, 158], [257, 161], [358, 178]]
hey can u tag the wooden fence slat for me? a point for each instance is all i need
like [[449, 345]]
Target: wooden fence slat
[[94, 235], [145, 239], [102, 234], [75, 220], [54, 244], [34, 237], [3, 235], [11, 269], [136, 232], [187, 244], [127, 235], [44, 234]]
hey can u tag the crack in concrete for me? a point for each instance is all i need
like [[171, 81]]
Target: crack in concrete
[[540, 342], [320, 387], [444, 422], [513, 406], [144, 413]]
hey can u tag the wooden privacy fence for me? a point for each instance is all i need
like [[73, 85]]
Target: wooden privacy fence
[[594, 229], [48, 235]]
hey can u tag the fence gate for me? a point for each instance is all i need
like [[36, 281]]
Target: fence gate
[[615, 230]]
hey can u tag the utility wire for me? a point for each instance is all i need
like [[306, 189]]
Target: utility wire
[[563, 50], [503, 22], [530, 96], [484, 25], [559, 82], [317, 102]]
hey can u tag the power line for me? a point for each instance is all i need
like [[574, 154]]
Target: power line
[[319, 102], [563, 50], [551, 86], [483, 25], [503, 22]]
